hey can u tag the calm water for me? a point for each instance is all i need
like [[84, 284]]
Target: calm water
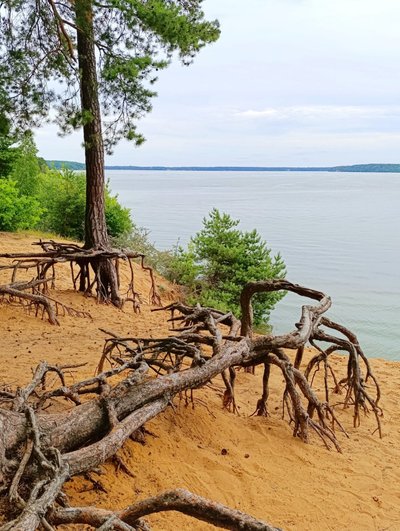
[[337, 232]]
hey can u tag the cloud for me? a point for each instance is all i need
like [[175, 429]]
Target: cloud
[[313, 112], [342, 119], [309, 82]]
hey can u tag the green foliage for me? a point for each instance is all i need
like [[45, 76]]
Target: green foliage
[[184, 267], [19, 177], [60, 164], [63, 195], [134, 41], [54, 200], [8, 152], [118, 218], [17, 211], [220, 259], [26, 167]]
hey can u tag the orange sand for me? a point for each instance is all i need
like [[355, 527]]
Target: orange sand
[[265, 471]]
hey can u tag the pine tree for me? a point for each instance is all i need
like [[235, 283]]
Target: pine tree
[[221, 259], [88, 59]]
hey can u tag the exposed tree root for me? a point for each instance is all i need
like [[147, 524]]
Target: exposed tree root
[[18, 292], [93, 269], [261, 408], [176, 500], [137, 378]]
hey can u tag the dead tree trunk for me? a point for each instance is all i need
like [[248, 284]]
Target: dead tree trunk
[[96, 236]]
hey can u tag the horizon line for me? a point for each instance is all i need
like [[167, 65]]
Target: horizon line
[[377, 167]]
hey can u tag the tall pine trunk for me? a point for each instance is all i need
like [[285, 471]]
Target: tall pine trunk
[[95, 222]]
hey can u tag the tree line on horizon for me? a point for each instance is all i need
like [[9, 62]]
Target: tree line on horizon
[[356, 168]]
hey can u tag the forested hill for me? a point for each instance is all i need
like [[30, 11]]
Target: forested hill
[[58, 164], [378, 168], [369, 168]]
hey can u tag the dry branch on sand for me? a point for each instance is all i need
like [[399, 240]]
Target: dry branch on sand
[[39, 451]]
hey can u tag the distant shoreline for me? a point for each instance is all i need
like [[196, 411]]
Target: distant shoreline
[[359, 168]]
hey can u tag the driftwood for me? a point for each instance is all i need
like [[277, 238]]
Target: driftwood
[[39, 451], [87, 278]]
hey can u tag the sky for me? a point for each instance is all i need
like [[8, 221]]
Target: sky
[[289, 83]]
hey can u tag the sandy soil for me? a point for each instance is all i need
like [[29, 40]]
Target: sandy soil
[[264, 471]]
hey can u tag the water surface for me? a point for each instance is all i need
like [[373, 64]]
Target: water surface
[[338, 233]]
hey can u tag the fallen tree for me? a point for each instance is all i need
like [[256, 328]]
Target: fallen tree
[[39, 451]]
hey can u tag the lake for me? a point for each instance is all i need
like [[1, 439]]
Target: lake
[[337, 232]]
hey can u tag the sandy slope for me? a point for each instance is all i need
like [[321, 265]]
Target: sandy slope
[[265, 471]]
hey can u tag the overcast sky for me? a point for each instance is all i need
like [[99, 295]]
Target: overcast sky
[[290, 82]]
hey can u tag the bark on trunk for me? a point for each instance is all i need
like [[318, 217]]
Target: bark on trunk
[[96, 236]]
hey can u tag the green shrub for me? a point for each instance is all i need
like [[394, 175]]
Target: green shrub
[[17, 211], [118, 218], [26, 167], [63, 194], [184, 268], [219, 261], [8, 152]]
